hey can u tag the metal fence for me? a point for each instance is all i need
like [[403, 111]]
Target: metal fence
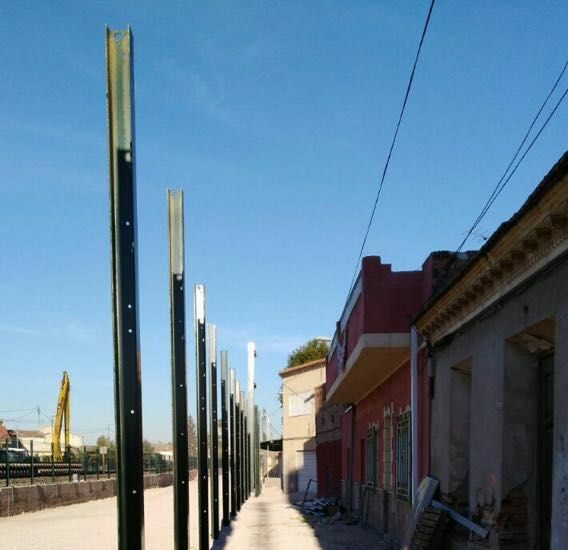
[[78, 464]]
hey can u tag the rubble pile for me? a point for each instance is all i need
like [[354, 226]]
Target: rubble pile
[[320, 507]]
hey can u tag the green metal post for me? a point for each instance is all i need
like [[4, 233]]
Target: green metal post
[[69, 463], [124, 253], [52, 464], [84, 463], [7, 464], [108, 464], [31, 461], [97, 462]]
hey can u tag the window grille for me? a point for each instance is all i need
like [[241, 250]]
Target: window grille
[[387, 454], [403, 456], [371, 462]]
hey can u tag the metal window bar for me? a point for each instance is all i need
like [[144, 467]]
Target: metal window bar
[[403, 456]]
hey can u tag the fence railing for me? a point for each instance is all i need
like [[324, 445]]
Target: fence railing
[[17, 467]]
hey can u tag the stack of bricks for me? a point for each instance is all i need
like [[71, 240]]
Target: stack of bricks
[[513, 521]]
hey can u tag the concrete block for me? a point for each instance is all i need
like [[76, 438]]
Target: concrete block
[[108, 488], [6, 501], [48, 496], [96, 488], [67, 492], [26, 498], [83, 491]]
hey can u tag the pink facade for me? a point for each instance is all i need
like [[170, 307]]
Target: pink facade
[[377, 313]]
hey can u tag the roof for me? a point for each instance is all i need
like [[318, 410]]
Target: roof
[[290, 371], [554, 176], [31, 433]]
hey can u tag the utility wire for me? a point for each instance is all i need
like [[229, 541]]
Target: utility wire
[[506, 177], [386, 167]]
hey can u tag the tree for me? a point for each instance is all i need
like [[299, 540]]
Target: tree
[[103, 441], [191, 436], [310, 351], [147, 447]]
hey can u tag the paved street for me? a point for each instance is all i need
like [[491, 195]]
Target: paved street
[[264, 522], [268, 522]]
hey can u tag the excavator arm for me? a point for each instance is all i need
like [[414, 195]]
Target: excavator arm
[[63, 412]]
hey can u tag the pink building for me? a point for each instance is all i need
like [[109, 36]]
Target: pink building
[[368, 373]]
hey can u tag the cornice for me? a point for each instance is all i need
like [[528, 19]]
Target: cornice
[[534, 240]]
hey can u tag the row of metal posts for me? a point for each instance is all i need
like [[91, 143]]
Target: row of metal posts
[[239, 416]]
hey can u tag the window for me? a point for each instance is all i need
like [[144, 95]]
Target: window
[[403, 456], [371, 458], [300, 404], [387, 453]]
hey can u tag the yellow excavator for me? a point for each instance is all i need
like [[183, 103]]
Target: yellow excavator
[[63, 411]]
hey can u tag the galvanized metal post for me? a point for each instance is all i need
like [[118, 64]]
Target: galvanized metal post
[[84, 463], [224, 440], [214, 429], [127, 375], [179, 369], [233, 443], [201, 372]]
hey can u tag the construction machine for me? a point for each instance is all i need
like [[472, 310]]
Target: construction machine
[[63, 412]]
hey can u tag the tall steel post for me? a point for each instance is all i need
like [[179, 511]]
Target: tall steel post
[[214, 429], [224, 439], [251, 358], [179, 370], [247, 457], [243, 447], [257, 486], [201, 373], [238, 447], [233, 443], [127, 375]]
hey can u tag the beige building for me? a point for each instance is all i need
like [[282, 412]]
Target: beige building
[[299, 425], [42, 440]]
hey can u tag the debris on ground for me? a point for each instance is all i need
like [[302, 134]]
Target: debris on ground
[[320, 507]]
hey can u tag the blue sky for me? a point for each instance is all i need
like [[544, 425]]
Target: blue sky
[[275, 118]]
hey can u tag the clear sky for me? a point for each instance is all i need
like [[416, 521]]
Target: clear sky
[[275, 118]]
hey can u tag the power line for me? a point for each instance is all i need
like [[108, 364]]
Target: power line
[[16, 410], [506, 177], [385, 169]]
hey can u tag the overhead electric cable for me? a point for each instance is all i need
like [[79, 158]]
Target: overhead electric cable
[[386, 166], [506, 177]]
